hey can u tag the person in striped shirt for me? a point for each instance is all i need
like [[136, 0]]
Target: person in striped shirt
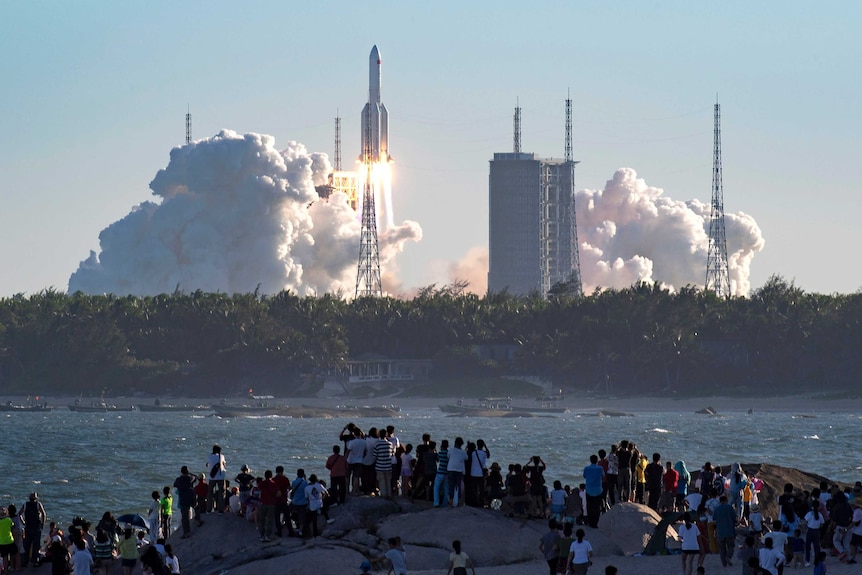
[[383, 453], [441, 483]]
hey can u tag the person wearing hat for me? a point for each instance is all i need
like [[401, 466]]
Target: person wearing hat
[[201, 493], [34, 521]]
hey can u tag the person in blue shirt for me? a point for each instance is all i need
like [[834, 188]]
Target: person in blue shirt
[[593, 474]]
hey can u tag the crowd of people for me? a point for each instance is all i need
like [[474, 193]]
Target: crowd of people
[[712, 508], [78, 549]]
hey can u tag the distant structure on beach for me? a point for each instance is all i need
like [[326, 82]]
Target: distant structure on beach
[[532, 227]]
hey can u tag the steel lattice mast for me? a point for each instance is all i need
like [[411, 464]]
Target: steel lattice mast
[[575, 278], [368, 268], [717, 276], [188, 126]]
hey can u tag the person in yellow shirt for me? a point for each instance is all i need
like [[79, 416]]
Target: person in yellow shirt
[[640, 466], [8, 547]]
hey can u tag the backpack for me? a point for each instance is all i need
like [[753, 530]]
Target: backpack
[[31, 515], [718, 485]]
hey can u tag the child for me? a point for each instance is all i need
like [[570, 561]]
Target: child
[[820, 563], [558, 501], [407, 464], [797, 547], [166, 503], [397, 557], [755, 521]]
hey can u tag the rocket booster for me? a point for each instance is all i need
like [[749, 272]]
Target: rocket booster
[[375, 118]]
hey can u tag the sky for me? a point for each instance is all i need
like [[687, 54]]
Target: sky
[[94, 95]]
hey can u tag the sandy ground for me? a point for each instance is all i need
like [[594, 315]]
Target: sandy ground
[[664, 565]]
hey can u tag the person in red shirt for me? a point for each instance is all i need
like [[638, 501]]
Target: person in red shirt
[[202, 490], [669, 481], [282, 509], [266, 514], [337, 466]]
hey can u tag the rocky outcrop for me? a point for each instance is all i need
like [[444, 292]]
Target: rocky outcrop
[[630, 526], [229, 544]]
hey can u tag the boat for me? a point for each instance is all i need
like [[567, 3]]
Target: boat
[[304, 411], [170, 408], [25, 408], [479, 409], [99, 407]]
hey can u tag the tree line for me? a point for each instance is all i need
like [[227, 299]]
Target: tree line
[[640, 339]]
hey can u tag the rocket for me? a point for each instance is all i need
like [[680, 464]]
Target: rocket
[[375, 118]]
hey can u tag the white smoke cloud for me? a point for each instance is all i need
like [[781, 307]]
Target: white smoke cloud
[[631, 232], [236, 213]]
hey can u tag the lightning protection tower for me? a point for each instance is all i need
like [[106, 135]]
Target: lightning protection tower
[[188, 126], [368, 269], [575, 278], [337, 142], [717, 276], [516, 129]]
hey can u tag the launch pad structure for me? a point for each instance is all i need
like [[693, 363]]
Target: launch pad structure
[[375, 150], [532, 223], [717, 273]]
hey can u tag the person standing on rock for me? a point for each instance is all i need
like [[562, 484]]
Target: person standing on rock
[[355, 455], [653, 474], [216, 465], [266, 513], [459, 561], [593, 475], [34, 521], [338, 468], [397, 558], [455, 470], [383, 453], [184, 485], [441, 487]]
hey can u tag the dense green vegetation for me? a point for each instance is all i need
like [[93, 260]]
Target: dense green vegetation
[[642, 339]]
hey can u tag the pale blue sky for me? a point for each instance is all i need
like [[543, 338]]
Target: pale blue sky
[[93, 97]]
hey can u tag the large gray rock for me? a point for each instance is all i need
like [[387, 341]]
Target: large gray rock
[[630, 526], [322, 560]]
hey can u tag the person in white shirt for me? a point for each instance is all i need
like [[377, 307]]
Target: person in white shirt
[[455, 470], [855, 530], [355, 455], [580, 554], [813, 519], [687, 535], [171, 561], [770, 558], [82, 561]]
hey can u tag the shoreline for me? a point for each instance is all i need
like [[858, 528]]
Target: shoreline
[[632, 404]]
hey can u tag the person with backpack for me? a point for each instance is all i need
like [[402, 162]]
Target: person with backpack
[[314, 493], [216, 465], [34, 521]]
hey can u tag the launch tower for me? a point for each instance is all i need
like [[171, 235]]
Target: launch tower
[[375, 148], [575, 278], [717, 276]]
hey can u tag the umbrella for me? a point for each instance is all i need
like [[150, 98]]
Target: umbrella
[[135, 520]]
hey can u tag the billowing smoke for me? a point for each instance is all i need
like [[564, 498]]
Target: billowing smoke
[[631, 232], [236, 213]]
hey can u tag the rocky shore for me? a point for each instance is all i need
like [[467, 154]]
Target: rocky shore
[[499, 545]]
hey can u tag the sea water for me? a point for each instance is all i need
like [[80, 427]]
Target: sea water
[[88, 463]]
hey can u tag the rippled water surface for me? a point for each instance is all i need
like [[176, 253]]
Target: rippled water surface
[[86, 463]]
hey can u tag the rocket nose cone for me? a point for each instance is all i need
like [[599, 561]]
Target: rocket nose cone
[[375, 55]]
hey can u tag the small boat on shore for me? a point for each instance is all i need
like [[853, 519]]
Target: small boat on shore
[[170, 408], [101, 407], [304, 412], [25, 408]]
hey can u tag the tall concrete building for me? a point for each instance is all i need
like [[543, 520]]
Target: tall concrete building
[[532, 241]]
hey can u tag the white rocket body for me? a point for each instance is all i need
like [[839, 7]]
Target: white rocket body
[[375, 118]]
